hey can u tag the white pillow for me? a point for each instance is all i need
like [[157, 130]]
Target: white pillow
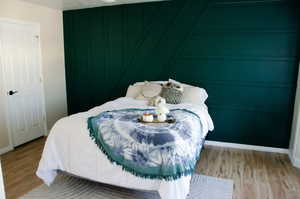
[[194, 95], [134, 91], [149, 90]]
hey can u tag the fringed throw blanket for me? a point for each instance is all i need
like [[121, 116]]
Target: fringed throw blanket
[[163, 151]]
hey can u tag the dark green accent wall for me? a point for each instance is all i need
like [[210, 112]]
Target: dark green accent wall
[[245, 53]]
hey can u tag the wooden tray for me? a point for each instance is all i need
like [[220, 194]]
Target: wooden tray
[[170, 120]]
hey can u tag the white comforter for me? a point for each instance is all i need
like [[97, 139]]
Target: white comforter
[[69, 148]]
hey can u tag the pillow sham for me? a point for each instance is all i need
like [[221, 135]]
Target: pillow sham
[[133, 91], [194, 95]]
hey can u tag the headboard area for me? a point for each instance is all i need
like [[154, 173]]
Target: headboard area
[[244, 53]]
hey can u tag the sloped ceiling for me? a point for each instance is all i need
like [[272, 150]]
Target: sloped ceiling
[[80, 4]]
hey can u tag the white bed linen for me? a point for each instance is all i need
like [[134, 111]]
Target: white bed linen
[[69, 148]]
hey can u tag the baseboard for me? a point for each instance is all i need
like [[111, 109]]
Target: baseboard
[[5, 149], [246, 147], [295, 161]]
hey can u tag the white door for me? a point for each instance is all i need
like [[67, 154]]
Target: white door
[[21, 69]]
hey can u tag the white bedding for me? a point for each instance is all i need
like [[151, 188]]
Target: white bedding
[[69, 148]]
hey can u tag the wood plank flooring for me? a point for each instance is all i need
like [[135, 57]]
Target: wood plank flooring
[[19, 168], [256, 175]]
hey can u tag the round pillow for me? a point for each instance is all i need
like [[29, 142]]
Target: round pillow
[[151, 90]]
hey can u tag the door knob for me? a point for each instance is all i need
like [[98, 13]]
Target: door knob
[[12, 92]]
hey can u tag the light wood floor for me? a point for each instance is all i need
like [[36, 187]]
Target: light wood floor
[[256, 175]]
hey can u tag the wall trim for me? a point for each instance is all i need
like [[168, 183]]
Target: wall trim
[[6, 149], [295, 161], [246, 147]]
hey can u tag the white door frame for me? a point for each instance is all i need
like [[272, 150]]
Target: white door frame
[[13, 21], [2, 190]]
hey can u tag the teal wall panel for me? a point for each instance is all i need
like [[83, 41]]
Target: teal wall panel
[[245, 53]]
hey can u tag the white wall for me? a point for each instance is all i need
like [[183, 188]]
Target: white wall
[[51, 23], [295, 135]]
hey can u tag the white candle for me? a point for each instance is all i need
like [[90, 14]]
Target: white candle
[[148, 118], [162, 117]]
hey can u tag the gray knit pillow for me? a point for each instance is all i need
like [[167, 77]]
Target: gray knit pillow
[[172, 93]]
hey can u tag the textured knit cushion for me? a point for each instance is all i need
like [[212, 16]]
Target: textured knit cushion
[[173, 93]]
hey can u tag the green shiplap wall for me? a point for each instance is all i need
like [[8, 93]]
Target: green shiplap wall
[[245, 53]]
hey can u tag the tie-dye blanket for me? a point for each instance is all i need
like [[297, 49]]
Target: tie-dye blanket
[[163, 151]]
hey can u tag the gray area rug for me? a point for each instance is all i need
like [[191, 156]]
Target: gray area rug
[[67, 187]]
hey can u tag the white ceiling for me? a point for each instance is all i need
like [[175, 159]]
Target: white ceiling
[[80, 4]]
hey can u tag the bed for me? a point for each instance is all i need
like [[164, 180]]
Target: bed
[[69, 148]]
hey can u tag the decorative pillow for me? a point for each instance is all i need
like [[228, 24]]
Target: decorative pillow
[[172, 92], [149, 90], [133, 91], [194, 95]]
